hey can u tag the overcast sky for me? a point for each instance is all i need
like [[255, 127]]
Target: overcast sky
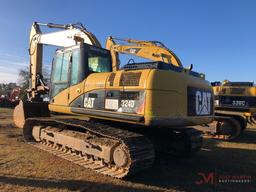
[[217, 36]]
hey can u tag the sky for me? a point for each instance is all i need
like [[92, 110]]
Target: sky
[[216, 36]]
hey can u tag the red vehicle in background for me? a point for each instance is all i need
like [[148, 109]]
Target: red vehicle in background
[[14, 96], [11, 99]]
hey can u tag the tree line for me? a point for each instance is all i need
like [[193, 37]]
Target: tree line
[[23, 81]]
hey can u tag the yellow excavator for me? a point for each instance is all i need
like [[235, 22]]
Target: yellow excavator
[[236, 99], [115, 117]]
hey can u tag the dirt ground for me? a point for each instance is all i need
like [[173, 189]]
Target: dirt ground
[[25, 168]]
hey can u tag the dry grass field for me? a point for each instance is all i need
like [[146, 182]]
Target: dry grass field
[[25, 168]]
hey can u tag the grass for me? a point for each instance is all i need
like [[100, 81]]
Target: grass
[[25, 168]]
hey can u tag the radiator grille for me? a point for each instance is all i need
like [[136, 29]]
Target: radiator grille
[[237, 90], [130, 79], [232, 90]]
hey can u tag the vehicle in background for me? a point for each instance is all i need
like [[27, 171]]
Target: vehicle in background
[[11, 99]]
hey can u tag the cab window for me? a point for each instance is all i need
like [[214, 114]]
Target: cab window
[[61, 67], [75, 67], [65, 66], [60, 73], [56, 71], [99, 62]]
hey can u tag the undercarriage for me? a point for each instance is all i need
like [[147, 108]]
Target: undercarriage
[[108, 150]]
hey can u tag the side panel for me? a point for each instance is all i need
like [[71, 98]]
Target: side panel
[[131, 102], [171, 99], [115, 96]]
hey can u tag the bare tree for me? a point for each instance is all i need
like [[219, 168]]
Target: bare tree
[[23, 79]]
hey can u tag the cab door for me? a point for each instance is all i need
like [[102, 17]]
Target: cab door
[[78, 73], [60, 79]]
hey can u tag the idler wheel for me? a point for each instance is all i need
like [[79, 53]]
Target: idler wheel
[[120, 157]]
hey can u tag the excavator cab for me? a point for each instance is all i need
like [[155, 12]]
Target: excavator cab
[[72, 65]]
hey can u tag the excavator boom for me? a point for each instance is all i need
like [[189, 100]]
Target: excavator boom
[[152, 50]]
